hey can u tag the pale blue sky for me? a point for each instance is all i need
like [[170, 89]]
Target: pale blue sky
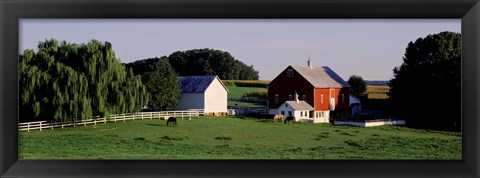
[[369, 48]]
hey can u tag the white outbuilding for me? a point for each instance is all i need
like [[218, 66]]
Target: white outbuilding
[[203, 92], [301, 110]]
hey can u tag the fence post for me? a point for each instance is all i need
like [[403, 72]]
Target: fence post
[[40, 126], [52, 124], [28, 127]]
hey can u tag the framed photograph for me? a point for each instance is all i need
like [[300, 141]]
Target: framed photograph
[[294, 93]]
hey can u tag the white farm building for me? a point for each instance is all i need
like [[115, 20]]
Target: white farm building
[[203, 92]]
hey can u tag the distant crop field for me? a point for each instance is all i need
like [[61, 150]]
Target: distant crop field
[[236, 138], [247, 83], [377, 92]]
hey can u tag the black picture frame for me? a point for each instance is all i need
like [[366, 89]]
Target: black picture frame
[[11, 11]]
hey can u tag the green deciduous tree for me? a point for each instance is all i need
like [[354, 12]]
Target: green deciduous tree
[[211, 62], [67, 81], [358, 87], [160, 80], [426, 87]]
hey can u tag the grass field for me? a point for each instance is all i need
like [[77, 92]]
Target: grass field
[[237, 92], [236, 138]]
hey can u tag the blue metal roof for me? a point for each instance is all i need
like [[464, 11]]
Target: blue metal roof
[[195, 84]]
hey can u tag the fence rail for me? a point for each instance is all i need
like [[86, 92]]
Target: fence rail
[[239, 110], [39, 125]]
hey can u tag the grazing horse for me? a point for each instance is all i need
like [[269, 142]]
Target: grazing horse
[[290, 118], [171, 120], [278, 117]]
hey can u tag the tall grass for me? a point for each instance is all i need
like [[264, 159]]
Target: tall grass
[[237, 138]]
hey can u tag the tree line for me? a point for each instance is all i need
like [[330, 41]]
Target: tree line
[[200, 62], [67, 81]]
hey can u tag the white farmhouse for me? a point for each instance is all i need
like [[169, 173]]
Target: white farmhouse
[[203, 92]]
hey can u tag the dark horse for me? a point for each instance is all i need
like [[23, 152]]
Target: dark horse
[[172, 121], [290, 118]]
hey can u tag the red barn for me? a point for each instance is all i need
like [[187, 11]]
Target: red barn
[[320, 87]]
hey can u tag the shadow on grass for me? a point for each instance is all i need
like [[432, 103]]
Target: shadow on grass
[[158, 125]]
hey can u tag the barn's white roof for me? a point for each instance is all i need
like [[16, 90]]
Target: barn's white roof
[[300, 106], [321, 77]]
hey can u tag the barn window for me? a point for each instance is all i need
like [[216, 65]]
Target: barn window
[[301, 113], [321, 98], [286, 105], [276, 99], [304, 97], [290, 98], [290, 73], [289, 113], [283, 112]]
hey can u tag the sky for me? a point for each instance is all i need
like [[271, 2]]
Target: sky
[[370, 48]]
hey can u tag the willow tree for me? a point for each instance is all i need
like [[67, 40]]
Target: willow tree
[[68, 81]]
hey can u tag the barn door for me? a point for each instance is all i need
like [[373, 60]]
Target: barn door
[[332, 99]]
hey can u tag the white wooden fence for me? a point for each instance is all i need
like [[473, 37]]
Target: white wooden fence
[[241, 110], [39, 125]]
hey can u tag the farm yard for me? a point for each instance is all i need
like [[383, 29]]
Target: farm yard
[[236, 138], [316, 95]]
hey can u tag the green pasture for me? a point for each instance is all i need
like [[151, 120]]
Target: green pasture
[[237, 92], [236, 138]]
